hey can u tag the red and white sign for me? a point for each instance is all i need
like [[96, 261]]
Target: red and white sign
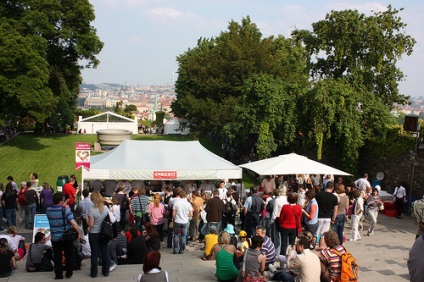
[[82, 155], [164, 175]]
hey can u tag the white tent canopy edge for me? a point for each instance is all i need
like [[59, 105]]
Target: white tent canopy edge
[[161, 160]]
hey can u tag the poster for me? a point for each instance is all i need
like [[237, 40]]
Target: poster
[[82, 155]]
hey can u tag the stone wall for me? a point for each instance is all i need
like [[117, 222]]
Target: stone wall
[[399, 168]]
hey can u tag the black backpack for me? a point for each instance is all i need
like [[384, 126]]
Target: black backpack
[[229, 208], [233, 240]]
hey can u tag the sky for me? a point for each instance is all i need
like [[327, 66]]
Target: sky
[[142, 38]]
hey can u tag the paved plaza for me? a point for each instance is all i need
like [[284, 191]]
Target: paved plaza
[[381, 258]]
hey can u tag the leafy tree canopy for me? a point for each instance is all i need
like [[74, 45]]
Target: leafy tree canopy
[[42, 46]]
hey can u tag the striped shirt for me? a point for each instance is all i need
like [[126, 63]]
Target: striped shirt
[[268, 250], [334, 261], [135, 204], [54, 214]]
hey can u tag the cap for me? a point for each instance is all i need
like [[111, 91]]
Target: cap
[[243, 233]]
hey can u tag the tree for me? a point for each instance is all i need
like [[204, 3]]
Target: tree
[[43, 43], [361, 50], [234, 80]]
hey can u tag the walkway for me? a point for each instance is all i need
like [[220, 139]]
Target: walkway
[[381, 258]]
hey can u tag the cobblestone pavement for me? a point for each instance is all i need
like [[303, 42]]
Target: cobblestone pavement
[[381, 257]]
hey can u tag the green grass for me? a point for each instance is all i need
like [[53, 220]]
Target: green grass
[[53, 155]]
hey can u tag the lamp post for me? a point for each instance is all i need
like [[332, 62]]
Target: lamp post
[[414, 157]]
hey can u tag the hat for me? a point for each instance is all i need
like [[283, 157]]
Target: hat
[[212, 228], [378, 187], [243, 233], [229, 228]]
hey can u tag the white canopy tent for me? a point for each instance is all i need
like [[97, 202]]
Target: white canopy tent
[[161, 160], [291, 164]]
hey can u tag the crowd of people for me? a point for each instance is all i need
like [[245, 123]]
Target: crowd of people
[[285, 229]]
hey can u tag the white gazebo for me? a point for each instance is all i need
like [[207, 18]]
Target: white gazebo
[[173, 127], [107, 120]]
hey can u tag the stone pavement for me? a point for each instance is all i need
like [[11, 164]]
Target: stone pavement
[[381, 257]]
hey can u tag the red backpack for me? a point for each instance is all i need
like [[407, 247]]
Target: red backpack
[[350, 270]]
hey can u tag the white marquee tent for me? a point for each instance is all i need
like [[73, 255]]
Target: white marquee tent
[[107, 120], [291, 164], [161, 160]]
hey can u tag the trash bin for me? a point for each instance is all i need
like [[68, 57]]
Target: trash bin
[[61, 180]]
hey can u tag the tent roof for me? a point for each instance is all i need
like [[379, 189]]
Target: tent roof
[[291, 164], [107, 117], [149, 160]]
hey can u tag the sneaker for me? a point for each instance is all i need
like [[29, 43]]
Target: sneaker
[[271, 269], [112, 267]]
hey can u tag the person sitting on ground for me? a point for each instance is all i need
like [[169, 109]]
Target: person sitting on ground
[[137, 248], [152, 237], [224, 253], [244, 242], [268, 248], [211, 240], [40, 255], [117, 247], [152, 270], [7, 259], [18, 240], [304, 265], [128, 233], [254, 261], [329, 258]]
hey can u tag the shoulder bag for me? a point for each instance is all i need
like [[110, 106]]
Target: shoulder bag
[[68, 235], [107, 227]]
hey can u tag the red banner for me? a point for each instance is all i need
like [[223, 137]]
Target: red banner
[[164, 175], [82, 155]]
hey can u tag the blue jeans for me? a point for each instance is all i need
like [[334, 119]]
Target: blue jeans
[[30, 211], [11, 217], [98, 246], [181, 237], [339, 226]]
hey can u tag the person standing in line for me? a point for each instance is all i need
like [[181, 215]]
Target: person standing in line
[[268, 185], [84, 208], [253, 207], [181, 216], [197, 203], [14, 185], [9, 200], [60, 220], [33, 178], [356, 215], [46, 197], [327, 208], [69, 190], [98, 243], [156, 210], [399, 194], [21, 201], [30, 202], [214, 210], [280, 201], [341, 211]]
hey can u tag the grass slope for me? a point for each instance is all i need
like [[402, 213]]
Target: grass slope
[[53, 155]]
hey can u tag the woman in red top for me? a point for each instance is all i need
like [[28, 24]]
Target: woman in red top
[[21, 198], [290, 217]]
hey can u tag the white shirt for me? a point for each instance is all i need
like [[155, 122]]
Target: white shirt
[[280, 201], [362, 184], [10, 243], [222, 193], [400, 192], [182, 210]]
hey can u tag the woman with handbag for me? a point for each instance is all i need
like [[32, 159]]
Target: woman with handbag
[[254, 262], [156, 211], [290, 217], [98, 243], [374, 203]]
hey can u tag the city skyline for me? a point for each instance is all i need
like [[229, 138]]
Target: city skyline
[[143, 38]]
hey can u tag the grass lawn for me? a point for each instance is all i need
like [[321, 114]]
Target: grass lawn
[[53, 155]]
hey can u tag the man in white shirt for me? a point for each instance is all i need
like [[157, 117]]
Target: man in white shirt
[[280, 201], [181, 214], [399, 194], [268, 185], [363, 183], [222, 190]]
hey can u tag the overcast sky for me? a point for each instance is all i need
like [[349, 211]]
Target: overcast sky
[[142, 38]]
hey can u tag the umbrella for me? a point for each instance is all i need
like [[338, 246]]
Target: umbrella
[[291, 164]]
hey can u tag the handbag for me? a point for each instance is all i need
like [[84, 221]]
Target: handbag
[[143, 215], [68, 235], [381, 206], [171, 225], [107, 229]]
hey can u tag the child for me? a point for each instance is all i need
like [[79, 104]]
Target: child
[[244, 243], [211, 240]]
